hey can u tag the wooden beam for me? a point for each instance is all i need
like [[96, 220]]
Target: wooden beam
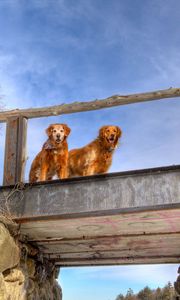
[[21, 151], [74, 107], [10, 151], [117, 261], [99, 195], [15, 150], [114, 246]]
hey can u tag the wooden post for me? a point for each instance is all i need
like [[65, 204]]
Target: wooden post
[[21, 151], [15, 150]]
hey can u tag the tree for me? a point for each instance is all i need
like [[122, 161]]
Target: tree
[[130, 295], [158, 294], [120, 297], [145, 294], [168, 292]]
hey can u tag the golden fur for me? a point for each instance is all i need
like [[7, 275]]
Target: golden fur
[[52, 159], [96, 157]]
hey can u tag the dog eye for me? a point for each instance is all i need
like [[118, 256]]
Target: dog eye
[[54, 130], [61, 130]]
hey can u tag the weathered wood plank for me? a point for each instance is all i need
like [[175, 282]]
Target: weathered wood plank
[[21, 151], [141, 237], [137, 223], [159, 247], [90, 105], [109, 254], [117, 261], [10, 160], [15, 153], [111, 245]]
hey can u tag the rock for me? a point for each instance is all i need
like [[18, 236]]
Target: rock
[[57, 291], [57, 272], [10, 256], [10, 224], [45, 290], [28, 278], [15, 291], [31, 267], [3, 291], [15, 275], [14, 283], [31, 287], [177, 285]]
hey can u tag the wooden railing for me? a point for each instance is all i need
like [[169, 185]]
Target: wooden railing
[[16, 129]]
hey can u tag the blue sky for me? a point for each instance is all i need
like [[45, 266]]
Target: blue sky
[[107, 282], [56, 51]]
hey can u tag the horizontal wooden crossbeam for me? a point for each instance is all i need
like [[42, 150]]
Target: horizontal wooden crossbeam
[[74, 107]]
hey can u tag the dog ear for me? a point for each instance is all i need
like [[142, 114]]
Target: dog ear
[[102, 131], [66, 129], [49, 130], [119, 131]]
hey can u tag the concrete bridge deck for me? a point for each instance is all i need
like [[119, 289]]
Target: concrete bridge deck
[[120, 218]]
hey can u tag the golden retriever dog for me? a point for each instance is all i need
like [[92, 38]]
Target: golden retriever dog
[[53, 158], [96, 157]]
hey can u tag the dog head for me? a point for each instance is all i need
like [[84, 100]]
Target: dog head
[[57, 133], [110, 135]]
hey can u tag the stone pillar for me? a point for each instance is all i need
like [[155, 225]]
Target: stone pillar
[[9, 250], [24, 273]]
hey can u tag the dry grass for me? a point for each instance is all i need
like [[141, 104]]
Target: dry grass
[[6, 216]]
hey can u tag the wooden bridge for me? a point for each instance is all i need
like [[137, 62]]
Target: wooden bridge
[[120, 218]]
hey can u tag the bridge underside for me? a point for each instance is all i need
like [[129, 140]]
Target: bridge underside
[[121, 218]]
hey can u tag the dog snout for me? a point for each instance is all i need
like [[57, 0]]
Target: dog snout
[[58, 136], [112, 136]]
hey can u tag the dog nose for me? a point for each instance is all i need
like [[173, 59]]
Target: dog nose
[[58, 135], [112, 135]]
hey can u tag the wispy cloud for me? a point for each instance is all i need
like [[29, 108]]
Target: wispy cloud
[[55, 50], [143, 274]]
